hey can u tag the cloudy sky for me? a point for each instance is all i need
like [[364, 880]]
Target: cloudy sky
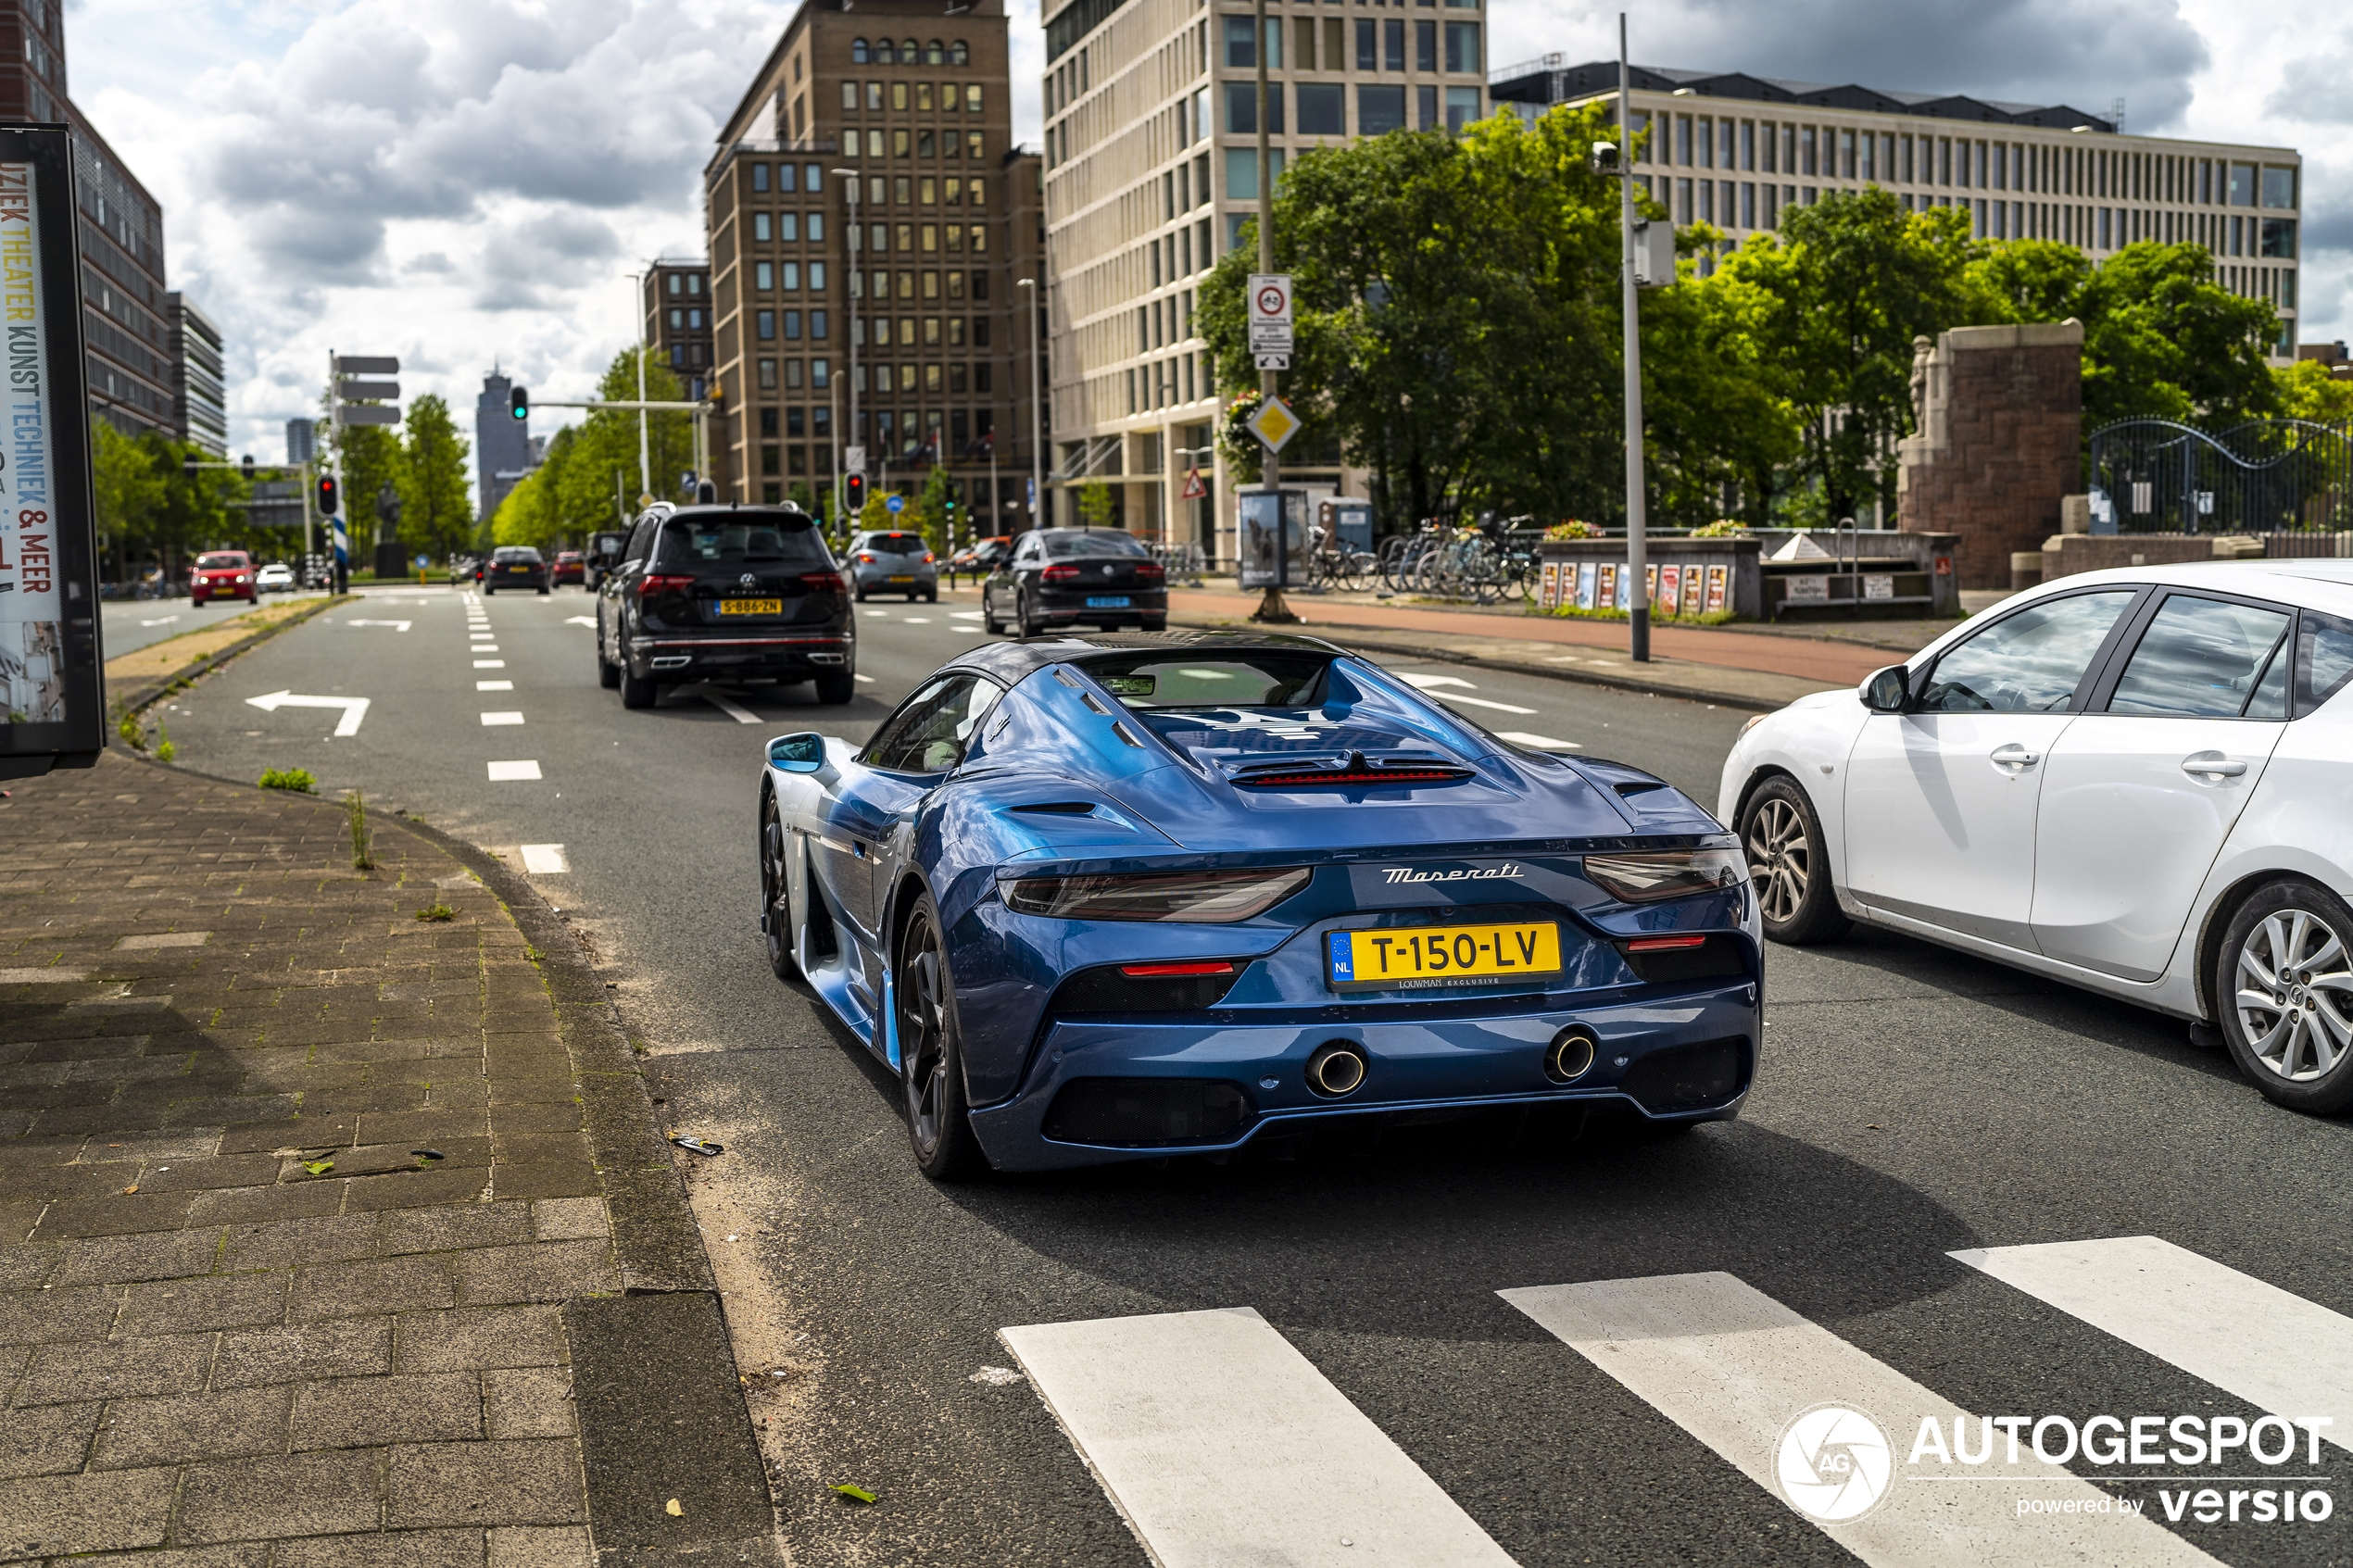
[[464, 182]]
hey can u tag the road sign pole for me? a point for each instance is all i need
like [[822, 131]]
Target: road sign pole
[[1271, 607], [1638, 614]]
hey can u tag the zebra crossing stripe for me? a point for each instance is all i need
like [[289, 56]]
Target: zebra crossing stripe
[[1220, 1443], [1733, 1367], [2276, 1350]]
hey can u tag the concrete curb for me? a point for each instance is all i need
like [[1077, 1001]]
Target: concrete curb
[[140, 698]]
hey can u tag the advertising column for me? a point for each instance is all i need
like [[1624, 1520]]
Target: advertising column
[[52, 704]]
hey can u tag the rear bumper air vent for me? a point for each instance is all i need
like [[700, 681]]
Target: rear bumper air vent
[[1355, 771], [1146, 1112], [1692, 1077], [1668, 960]]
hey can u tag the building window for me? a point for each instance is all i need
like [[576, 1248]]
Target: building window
[[1323, 108], [1379, 109], [768, 374], [759, 226], [1241, 44], [1367, 56], [857, 55], [1424, 45], [792, 274], [818, 374], [958, 54], [2279, 188], [2279, 237], [764, 323], [1748, 205], [1462, 106], [1462, 46], [1425, 108], [1393, 40], [1682, 201], [762, 277], [771, 459], [792, 326]]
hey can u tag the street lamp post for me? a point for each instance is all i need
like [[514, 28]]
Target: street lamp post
[[1037, 411], [1638, 615], [645, 469], [853, 436]]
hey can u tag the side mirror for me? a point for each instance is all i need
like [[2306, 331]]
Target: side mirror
[[1888, 690], [804, 753]]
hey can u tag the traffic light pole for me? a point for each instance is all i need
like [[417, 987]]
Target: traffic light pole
[[1638, 614], [338, 548], [853, 436]]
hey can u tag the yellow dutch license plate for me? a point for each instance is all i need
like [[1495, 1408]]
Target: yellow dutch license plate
[[1424, 955], [751, 606]]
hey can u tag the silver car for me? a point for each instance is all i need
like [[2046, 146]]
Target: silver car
[[893, 563]]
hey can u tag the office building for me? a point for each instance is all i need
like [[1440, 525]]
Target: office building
[[677, 307], [199, 411], [126, 318], [1151, 154], [869, 217], [1737, 151], [503, 448], [302, 442]]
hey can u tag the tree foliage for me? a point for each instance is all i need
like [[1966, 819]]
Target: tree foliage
[[436, 513], [590, 480]]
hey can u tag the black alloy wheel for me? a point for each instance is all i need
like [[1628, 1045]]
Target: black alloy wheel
[[988, 622], [635, 691], [776, 892], [1790, 866], [608, 673], [1028, 627], [836, 687], [2283, 988], [931, 1067]]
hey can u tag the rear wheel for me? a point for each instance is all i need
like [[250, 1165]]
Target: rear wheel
[[1029, 628], [1155, 623], [861, 595], [988, 622], [836, 687], [932, 598], [931, 1065], [543, 592], [608, 673], [2284, 985], [775, 891], [1790, 865], [637, 691]]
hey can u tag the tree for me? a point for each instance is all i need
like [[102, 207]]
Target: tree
[[370, 458], [2161, 338], [128, 489], [2307, 391], [436, 514], [1094, 503], [932, 510]]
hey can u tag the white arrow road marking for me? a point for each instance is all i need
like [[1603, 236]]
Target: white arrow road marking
[[165, 622], [580, 621], [544, 860], [1540, 743], [354, 707], [401, 625], [504, 773], [502, 717]]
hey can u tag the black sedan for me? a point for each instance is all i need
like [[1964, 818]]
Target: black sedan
[[1061, 577], [732, 594], [515, 566]]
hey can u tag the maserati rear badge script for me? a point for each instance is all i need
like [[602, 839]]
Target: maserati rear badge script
[[1505, 873]]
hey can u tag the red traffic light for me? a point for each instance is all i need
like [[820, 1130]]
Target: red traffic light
[[327, 498], [856, 493]]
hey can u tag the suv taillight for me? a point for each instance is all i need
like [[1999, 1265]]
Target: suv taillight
[[664, 582], [1058, 574], [823, 582]]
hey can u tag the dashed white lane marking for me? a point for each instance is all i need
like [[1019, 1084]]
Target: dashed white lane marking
[[483, 648], [1220, 1443], [1732, 1367], [1442, 686], [2276, 1350], [965, 615], [502, 719], [580, 621], [396, 625], [490, 664], [739, 714], [478, 636], [1482, 702], [544, 860], [493, 686], [508, 773], [914, 621], [164, 622], [1431, 682], [863, 679], [1541, 743]]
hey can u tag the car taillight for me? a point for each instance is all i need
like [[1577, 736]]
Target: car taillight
[[1212, 897], [865, 557], [823, 582], [1172, 970], [662, 583], [1665, 944], [1673, 874], [1150, 571], [1060, 574], [928, 558]]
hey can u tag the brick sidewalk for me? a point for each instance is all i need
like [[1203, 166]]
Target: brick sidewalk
[[241, 1314]]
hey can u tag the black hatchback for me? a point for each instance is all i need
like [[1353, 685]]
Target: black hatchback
[[1059, 577], [732, 594]]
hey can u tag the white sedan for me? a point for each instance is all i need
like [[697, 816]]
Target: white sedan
[[276, 578], [2138, 782]]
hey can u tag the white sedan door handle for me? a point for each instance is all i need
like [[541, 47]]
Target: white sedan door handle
[[2212, 764], [2015, 756]]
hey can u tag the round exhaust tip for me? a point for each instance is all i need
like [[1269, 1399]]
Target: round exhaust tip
[[1336, 1068], [1570, 1054]]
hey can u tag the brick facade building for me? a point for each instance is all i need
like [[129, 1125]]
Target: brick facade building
[[1999, 415]]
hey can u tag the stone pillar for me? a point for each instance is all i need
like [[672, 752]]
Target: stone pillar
[[1998, 442]]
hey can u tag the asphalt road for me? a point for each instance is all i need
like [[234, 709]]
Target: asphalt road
[[1912, 1103]]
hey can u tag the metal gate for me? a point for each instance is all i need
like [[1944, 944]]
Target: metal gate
[[2266, 476]]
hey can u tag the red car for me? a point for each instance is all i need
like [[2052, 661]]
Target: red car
[[223, 574], [569, 567]]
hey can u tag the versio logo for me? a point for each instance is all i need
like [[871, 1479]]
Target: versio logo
[[1833, 1463]]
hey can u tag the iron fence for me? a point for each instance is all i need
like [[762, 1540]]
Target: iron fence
[[2266, 476]]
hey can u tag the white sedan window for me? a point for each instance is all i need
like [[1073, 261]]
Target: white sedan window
[[2200, 658], [2031, 662]]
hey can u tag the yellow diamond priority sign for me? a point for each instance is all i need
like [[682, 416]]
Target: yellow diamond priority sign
[[1273, 424]]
